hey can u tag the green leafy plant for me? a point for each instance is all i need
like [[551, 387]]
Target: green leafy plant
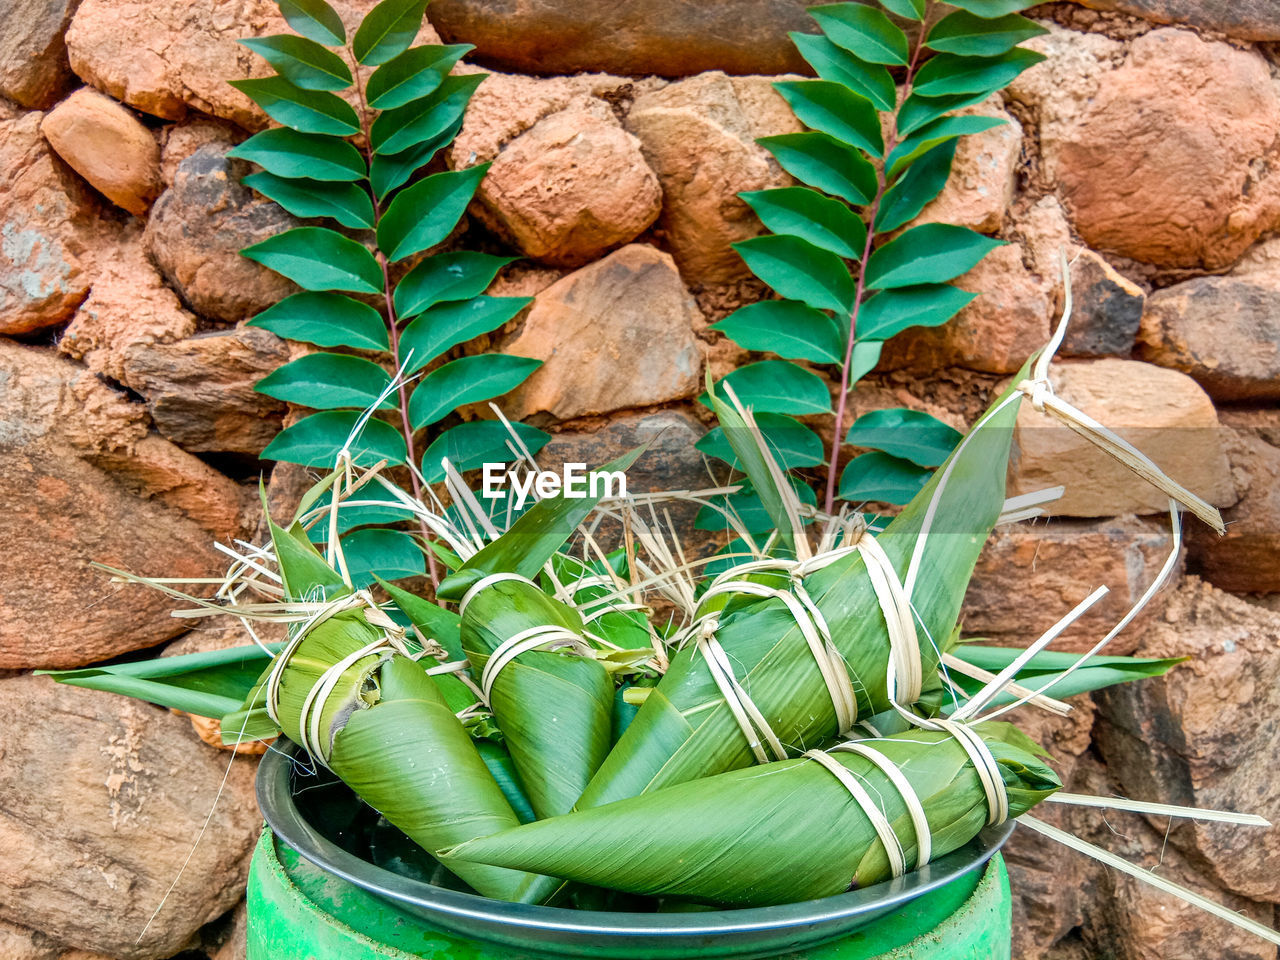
[[849, 277], [361, 169]]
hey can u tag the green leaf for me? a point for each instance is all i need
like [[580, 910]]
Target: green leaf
[[413, 74], [395, 131], [929, 253], [302, 61], [470, 445], [948, 74], [305, 573], [866, 354], [940, 131], [749, 508], [916, 188], [824, 162], [890, 312], [307, 111], [287, 153], [800, 271], [446, 276], [908, 434], [371, 504], [971, 36], [316, 440], [315, 20], [992, 8], [387, 30], [424, 214], [328, 381], [833, 108], [807, 214], [785, 327], [344, 202], [832, 63], [778, 386], [374, 552], [317, 258], [791, 442], [327, 320], [911, 9], [388, 171], [466, 380], [435, 622], [864, 31], [446, 325], [916, 111], [878, 476]]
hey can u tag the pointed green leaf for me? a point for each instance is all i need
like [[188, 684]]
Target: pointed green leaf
[[890, 312], [833, 108], [947, 74], [824, 162], [307, 111], [864, 31], [316, 440], [778, 386], [992, 8], [373, 552], [800, 271], [807, 214], [317, 258], [372, 504], [446, 276], [306, 574], [832, 63], [916, 188], [866, 354], [328, 381], [446, 325], [748, 509], [916, 111], [302, 61], [287, 153], [791, 442], [470, 445], [426, 213], [972, 36], [388, 171], [940, 131], [344, 202], [387, 30], [929, 253], [434, 621], [878, 476], [911, 9], [785, 327], [327, 320], [466, 380], [315, 20], [395, 131], [413, 74], [908, 434]]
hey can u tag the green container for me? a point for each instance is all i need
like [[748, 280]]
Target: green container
[[299, 912]]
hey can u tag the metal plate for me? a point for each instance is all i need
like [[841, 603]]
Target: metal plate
[[743, 933]]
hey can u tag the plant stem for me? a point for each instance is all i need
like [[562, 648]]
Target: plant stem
[[393, 330], [872, 210]]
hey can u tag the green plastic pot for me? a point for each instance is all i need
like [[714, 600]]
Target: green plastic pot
[[300, 912]]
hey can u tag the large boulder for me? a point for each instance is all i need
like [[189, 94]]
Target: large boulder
[[671, 38], [88, 483], [105, 144], [33, 55], [1242, 19], [619, 333], [102, 798]]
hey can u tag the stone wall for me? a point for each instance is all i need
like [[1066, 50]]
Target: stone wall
[[1148, 143]]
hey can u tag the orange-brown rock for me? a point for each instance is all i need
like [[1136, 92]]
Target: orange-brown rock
[[1242, 19], [233, 945], [46, 213], [105, 144], [197, 229], [179, 140], [1199, 736], [1106, 309], [86, 482], [1163, 413], [699, 136], [19, 943], [1174, 161], [572, 187], [616, 334], [1031, 574], [33, 56], [100, 803]]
